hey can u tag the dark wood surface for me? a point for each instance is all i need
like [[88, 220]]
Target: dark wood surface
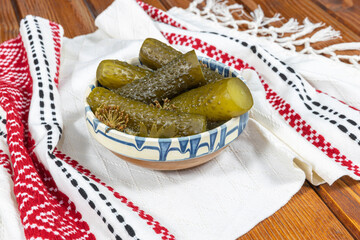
[[323, 212]]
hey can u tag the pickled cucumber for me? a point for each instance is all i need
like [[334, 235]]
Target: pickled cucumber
[[155, 54], [172, 79], [141, 114], [214, 124], [115, 73], [210, 75], [221, 100]]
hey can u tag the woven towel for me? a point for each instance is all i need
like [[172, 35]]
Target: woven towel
[[59, 183]]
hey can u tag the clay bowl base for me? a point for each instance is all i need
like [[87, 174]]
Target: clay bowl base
[[171, 165]]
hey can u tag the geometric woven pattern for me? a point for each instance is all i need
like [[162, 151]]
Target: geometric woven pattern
[[45, 212]]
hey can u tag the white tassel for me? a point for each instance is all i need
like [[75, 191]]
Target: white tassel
[[260, 19], [307, 28], [290, 26], [332, 49], [258, 24], [277, 33], [343, 46], [193, 7], [220, 12], [325, 34]]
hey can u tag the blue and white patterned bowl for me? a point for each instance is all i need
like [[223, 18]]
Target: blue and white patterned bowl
[[169, 153]]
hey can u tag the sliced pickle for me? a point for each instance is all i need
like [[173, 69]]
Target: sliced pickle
[[115, 73], [158, 121], [172, 79], [221, 100]]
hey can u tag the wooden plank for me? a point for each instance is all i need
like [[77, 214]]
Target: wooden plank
[[175, 3], [305, 216], [9, 26], [73, 15], [347, 12], [343, 198], [97, 7]]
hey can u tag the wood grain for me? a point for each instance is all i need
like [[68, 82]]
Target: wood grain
[[176, 3], [343, 198], [73, 15], [97, 7], [346, 12], [9, 27]]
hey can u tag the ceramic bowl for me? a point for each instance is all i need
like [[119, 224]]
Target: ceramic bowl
[[168, 153]]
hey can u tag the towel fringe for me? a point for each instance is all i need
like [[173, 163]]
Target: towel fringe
[[257, 24]]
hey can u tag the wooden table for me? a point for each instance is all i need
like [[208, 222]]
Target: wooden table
[[324, 212]]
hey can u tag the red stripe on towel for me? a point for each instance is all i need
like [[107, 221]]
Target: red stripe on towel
[[45, 212]]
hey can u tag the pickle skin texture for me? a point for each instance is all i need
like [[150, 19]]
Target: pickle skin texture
[[155, 54], [210, 75], [172, 79], [114, 73], [218, 101], [141, 113]]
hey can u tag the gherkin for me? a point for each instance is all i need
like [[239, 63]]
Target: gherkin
[[210, 75], [172, 79], [143, 115], [114, 73], [155, 54], [218, 101]]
